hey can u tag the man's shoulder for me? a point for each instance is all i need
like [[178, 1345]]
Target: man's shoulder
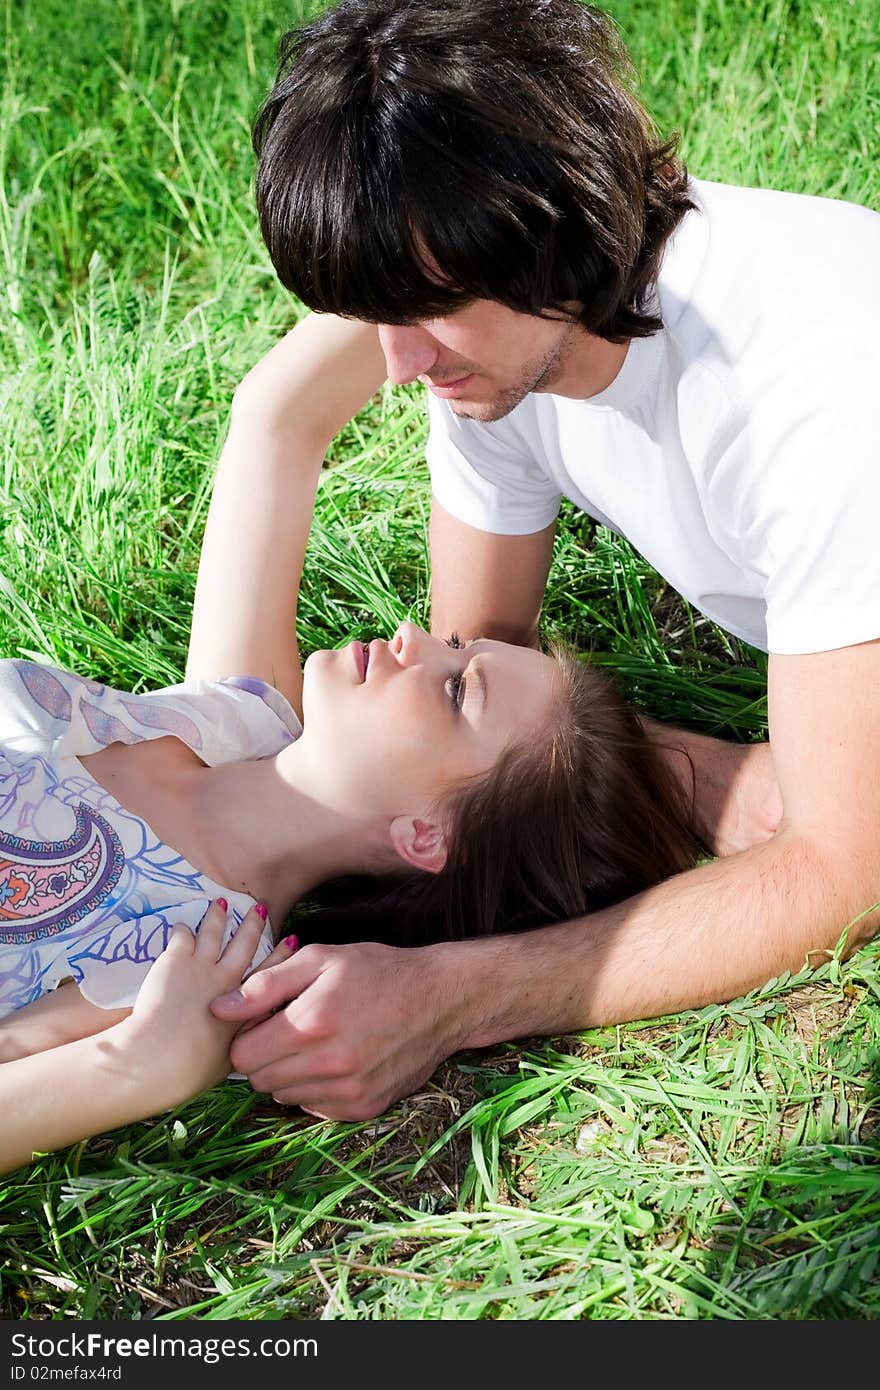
[[767, 232], [756, 271], [731, 201]]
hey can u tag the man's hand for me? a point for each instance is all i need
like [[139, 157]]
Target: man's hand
[[744, 807], [732, 787], [356, 1027]]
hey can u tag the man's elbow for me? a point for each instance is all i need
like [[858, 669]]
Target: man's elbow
[[842, 866]]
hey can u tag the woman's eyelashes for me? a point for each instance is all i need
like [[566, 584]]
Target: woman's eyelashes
[[455, 689], [456, 684]]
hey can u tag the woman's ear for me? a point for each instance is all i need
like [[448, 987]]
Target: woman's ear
[[419, 843]]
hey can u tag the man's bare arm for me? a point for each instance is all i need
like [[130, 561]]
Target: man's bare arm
[[704, 937], [731, 788], [483, 585]]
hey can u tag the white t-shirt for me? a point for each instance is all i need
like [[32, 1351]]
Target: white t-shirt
[[739, 448]]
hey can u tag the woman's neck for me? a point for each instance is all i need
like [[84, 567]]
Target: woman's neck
[[250, 825], [270, 838]]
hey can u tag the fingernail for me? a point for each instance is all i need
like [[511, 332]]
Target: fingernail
[[291, 942], [234, 997], [222, 904], [262, 910]]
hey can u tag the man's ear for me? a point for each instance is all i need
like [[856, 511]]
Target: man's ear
[[419, 843]]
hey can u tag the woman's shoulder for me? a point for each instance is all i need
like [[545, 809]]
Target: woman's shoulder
[[261, 690], [236, 716], [43, 706]]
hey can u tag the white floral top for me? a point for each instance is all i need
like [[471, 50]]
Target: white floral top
[[87, 891]]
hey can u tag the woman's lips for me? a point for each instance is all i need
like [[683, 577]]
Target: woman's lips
[[450, 388], [361, 659]]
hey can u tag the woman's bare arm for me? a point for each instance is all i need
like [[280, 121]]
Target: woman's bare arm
[[59, 1017], [166, 1050], [284, 416], [55, 1098]]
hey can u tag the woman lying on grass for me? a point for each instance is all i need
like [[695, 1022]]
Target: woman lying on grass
[[479, 788]]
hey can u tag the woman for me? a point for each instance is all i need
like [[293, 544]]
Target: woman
[[477, 787]]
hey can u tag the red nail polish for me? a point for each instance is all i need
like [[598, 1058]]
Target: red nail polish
[[262, 910], [291, 942], [222, 904]]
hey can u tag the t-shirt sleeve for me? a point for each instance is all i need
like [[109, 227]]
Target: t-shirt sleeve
[[486, 475], [223, 720], [806, 516]]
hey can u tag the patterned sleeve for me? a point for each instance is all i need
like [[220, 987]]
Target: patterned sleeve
[[36, 704]]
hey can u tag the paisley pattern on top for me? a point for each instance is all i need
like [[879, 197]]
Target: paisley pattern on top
[[49, 884]]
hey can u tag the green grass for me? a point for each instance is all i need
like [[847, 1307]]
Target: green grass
[[721, 1164]]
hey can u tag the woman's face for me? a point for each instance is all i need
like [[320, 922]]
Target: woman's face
[[398, 723]]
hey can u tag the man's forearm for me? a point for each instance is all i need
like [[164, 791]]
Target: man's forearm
[[702, 937], [485, 585]]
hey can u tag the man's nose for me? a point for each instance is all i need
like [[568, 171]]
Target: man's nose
[[409, 350]]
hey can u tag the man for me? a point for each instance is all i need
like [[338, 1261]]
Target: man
[[694, 365]]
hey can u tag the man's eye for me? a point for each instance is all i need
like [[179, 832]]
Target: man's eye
[[455, 688]]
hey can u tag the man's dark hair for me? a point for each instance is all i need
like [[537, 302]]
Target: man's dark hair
[[415, 155]]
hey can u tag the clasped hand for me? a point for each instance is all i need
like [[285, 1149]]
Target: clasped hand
[[182, 1046], [342, 1031]]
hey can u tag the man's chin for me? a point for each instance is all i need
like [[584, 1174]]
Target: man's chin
[[485, 411]]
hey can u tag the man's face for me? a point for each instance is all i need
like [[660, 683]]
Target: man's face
[[483, 359]]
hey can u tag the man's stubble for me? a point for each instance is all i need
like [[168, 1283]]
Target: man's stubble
[[540, 375]]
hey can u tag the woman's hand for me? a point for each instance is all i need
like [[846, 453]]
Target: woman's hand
[[170, 1048], [171, 1036]]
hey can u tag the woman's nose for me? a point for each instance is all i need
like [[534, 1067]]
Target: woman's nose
[[412, 645]]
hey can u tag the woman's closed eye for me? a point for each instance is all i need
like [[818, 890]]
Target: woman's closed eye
[[455, 687], [456, 684]]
